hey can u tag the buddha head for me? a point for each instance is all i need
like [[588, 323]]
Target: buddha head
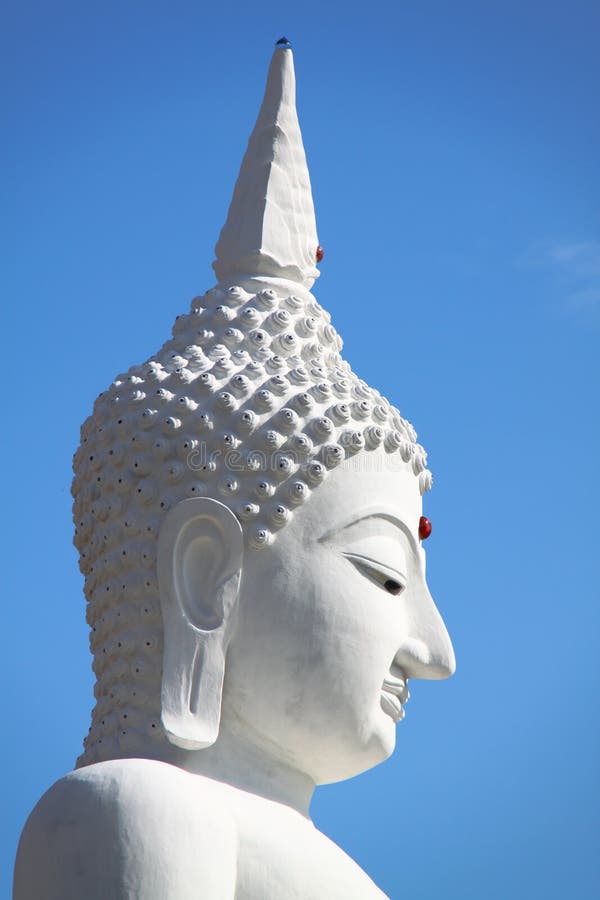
[[248, 511]]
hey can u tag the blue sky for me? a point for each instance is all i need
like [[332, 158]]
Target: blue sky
[[454, 158]]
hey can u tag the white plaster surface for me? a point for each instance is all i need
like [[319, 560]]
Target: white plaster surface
[[254, 632]]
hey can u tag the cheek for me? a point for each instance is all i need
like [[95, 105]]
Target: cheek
[[311, 654], [350, 638], [339, 700]]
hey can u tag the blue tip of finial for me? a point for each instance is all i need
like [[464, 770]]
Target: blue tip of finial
[[283, 44]]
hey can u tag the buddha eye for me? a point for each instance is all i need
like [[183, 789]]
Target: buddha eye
[[381, 575], [393, 587]]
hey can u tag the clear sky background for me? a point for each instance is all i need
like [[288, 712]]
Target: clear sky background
[[454, 152]]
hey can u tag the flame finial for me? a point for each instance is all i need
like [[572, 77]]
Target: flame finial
[[270, 230]]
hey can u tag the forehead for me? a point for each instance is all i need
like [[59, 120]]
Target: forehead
[[375, 484]]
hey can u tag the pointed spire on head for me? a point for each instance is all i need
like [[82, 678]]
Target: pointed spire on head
[[270, 230]]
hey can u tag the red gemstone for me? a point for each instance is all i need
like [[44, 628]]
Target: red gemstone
[[424, 528], [320, 253]]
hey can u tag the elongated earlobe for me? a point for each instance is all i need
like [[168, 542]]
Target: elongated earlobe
[[200, 554]]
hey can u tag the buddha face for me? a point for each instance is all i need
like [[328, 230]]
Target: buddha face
[[333, 621]]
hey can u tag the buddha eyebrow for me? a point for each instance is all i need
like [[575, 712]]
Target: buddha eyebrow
[[387, 517]]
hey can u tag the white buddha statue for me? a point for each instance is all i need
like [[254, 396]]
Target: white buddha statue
[[248, 516]]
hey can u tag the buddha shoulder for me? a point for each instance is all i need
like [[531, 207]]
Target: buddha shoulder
[[128, 829], [144, 830]]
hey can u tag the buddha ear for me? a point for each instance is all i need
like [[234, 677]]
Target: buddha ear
[[200, 555]]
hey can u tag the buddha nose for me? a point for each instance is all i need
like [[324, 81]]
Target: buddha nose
[[427, 651]]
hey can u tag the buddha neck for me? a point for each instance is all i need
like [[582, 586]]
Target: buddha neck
[[242, 759]]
